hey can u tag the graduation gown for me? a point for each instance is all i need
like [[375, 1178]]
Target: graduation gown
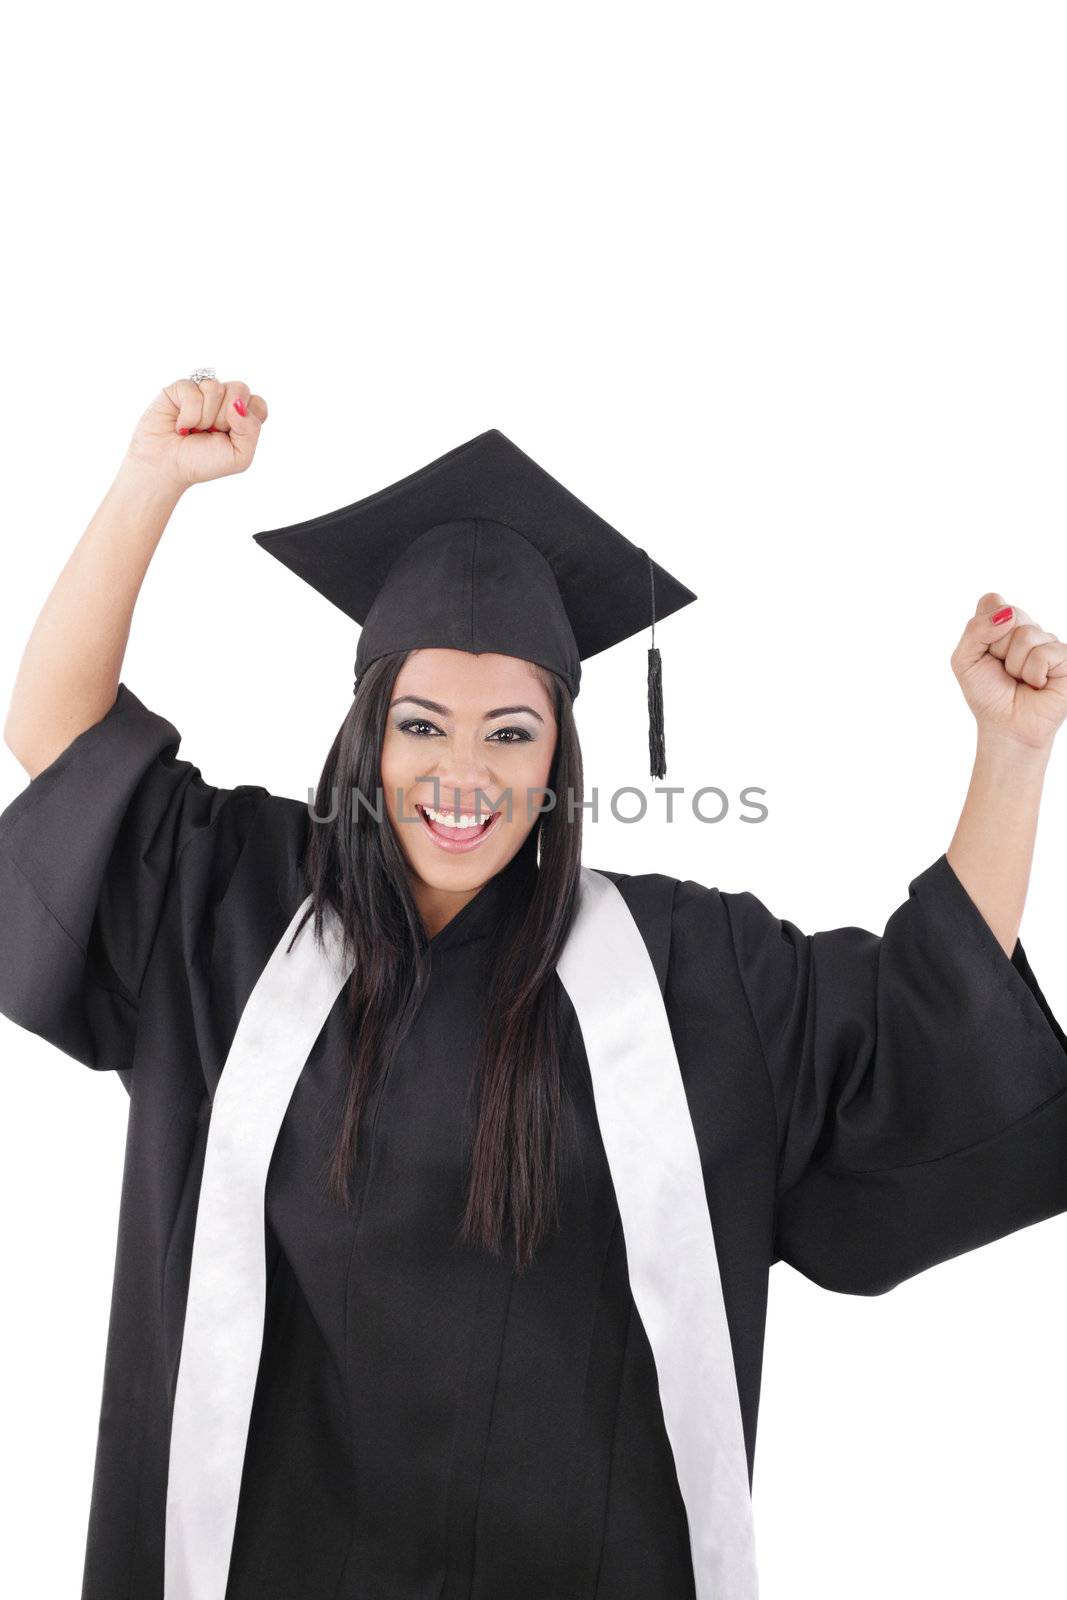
[[427, 1425]]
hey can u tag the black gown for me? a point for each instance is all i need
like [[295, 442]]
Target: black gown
[[427, 1425]]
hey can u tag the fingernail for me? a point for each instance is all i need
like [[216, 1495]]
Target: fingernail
[[1001, 616], [240, 407], [183, 430]]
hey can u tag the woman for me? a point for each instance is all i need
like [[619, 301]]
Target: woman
[[511, 1143]]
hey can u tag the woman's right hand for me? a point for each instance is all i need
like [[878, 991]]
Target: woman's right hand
[[193, 432]]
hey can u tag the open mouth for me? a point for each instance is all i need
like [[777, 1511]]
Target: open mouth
[[457, 833]]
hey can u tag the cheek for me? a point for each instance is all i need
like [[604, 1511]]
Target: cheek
[[389, 762], [399, 766], [528, 775]]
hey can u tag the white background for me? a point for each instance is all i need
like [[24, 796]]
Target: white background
[[779, 290]]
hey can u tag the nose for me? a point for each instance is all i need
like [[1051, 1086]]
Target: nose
[[462, 770]]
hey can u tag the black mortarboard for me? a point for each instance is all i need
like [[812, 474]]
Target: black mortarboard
[[482, 550]]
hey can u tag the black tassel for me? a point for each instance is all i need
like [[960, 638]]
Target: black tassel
[[657, 752]]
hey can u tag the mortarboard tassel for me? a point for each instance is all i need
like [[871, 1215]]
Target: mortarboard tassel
[[657, 755], [657, 751]]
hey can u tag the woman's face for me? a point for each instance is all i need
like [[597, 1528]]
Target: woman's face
[[463, 732]]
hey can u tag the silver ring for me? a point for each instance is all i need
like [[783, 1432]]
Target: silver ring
[[202, 372]]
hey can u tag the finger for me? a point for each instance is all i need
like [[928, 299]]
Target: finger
[[981, 634], [1023, 640], [1002, 645], [212, 395], [186, 395], [988, 606], [246, 417], [1043, 662], [230, 391]]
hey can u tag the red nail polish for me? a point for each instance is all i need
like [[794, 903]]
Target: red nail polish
[[183, 430], [1001, 616], [240, 407]]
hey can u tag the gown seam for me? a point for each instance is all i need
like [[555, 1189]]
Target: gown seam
[[242, 792], [120, 994], [487, 1439], [173, 884], [776, 1121], [948, 1155], [208, 832], [45, 907]]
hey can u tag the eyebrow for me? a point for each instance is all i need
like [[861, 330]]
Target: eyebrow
[[443, 711]]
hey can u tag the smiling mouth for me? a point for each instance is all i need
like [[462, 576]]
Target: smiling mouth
[[447, 835]]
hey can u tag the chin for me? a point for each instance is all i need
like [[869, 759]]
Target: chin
[[442, 871]]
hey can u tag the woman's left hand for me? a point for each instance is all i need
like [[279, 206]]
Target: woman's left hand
[[1013, 675]]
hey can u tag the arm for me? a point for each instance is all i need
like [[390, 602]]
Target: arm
[[1014, 677], [70, 668], [919, 1077]]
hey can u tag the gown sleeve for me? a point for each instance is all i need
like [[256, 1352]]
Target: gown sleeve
[[89, 851], [919, 1080]]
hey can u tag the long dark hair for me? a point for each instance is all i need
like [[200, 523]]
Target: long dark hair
[[354, 864]]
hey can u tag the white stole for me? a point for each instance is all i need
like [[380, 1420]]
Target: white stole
[[654, 1162]]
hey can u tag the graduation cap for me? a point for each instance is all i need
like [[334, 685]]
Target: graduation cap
[[482, 550]]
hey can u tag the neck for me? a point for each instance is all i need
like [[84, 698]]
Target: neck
[[437, 907]]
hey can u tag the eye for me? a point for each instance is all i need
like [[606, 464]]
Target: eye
[[419, 728], [510, 736]]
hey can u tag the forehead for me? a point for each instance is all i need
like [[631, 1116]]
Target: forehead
[[463, 681]]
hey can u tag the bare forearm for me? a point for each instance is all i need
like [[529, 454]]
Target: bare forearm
[[992, 849], [72, 662]]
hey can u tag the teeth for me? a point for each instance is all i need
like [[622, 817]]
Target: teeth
[[449, 819]]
